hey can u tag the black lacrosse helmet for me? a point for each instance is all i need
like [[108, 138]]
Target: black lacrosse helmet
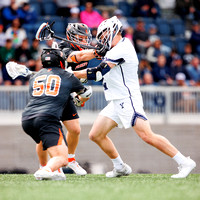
[[53, 58], [79, 33]]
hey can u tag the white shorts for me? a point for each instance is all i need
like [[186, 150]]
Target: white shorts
[[125, 111]]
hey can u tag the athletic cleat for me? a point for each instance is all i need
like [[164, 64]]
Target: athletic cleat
[[59, 175], [77, 168], [43, 174], [125, 171], [185, 169]]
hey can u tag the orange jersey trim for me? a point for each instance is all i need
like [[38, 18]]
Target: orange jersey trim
[[60, 137]]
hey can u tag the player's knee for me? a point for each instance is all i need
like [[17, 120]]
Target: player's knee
[[146, 137], [93, 137], [76, 131]]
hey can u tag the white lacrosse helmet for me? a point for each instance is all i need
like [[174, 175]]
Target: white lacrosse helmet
[[107, 30]]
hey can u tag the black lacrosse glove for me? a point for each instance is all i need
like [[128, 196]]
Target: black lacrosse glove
[[101, 52]]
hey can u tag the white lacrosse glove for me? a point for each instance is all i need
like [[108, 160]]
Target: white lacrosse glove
[[54, 45], [77, 101], [14, 70]]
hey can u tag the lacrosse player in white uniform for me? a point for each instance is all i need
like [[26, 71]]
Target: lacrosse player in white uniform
[[121, 87]]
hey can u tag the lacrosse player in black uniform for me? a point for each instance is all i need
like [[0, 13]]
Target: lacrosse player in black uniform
[[77, 58], [49, 91]]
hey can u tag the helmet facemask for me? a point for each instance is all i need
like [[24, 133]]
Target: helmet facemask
[[79, 33], [107, 30]]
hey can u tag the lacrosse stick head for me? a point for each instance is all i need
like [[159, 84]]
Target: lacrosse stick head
[[44, 32], [14, 70], [79, 33]]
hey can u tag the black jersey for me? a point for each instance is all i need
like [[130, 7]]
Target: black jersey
[[49, 91], [68, 49]]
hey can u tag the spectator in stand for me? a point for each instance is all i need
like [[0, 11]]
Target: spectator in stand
[[161, 72], [23, 56], [128, 30], [180, 79], [7, 53], [195, 38], [89, 16], [188, 9], [187, 55], [120, 15], [64, 6], [144, 67], [177, 67], [27, 14], [148, 79], [2, 36], [9, 13], [156, 49], [48, 44], [185, 101], [141, 37], [153, 32], [105, 14], [171, 57], [94, 33], [193, 70], [146, 8], [74, 15], [17, 33], [35, 50]]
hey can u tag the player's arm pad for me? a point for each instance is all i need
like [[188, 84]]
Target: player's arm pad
[[86, 92], [97, 73]]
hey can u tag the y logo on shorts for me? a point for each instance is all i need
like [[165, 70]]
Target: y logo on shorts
[[122, 105]]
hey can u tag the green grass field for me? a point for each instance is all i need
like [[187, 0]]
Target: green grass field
[[98, 187]]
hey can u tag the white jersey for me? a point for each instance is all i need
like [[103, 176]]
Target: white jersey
[[122, 80]]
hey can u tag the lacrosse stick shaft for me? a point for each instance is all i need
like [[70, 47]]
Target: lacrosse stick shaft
[[72, 42]]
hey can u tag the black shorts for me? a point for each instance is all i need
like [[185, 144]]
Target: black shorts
[[70, 111], [46, 129]]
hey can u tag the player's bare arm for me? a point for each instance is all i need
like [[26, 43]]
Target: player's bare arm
[[79, 56], [87, 54]]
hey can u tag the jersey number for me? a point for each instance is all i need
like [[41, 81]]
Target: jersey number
[[52, 88]]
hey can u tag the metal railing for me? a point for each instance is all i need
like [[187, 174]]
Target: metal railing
[[158, 100]]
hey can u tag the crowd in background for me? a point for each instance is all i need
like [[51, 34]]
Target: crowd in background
[[161, 63]]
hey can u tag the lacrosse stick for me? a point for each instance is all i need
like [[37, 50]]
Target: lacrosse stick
[[45, 32], [14, 70]]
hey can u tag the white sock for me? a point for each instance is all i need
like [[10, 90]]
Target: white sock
[[117, 163], [71, 155], [41, 166], [180, 158]]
